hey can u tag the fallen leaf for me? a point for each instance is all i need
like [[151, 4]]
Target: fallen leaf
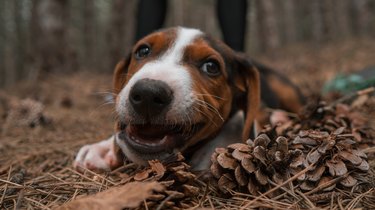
[[130, 195]]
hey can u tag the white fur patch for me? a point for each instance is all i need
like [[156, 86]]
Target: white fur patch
[[167, 68]]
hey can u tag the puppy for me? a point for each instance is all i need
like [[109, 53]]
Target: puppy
[[180, 90]]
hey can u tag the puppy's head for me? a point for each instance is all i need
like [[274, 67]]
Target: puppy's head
[[178, 87]]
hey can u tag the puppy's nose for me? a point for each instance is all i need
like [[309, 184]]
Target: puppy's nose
[[150, 97]]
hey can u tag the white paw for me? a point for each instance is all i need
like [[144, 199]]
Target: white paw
[[100, 156]]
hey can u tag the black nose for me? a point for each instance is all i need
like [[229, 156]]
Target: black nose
[[150, 97]]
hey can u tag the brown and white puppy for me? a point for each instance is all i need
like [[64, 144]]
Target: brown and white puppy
[[176, 92]]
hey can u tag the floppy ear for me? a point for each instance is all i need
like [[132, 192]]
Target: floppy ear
[[120, 73], [247, 83]]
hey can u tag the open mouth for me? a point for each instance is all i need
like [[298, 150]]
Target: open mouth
[[152, 138]]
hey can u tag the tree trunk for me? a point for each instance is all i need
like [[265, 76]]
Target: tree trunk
[[343, 19], [53, 20], [2, 44], [268, 25], [317, 20], [88, 33], [116, 32], [363, 14], [19, 44], [289, 21]]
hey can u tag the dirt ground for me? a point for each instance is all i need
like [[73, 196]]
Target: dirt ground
[[77, 110]]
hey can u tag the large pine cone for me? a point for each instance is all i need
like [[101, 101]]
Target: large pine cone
[[259, 165], [181, 189]]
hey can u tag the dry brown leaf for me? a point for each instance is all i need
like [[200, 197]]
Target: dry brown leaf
[[130, 195]]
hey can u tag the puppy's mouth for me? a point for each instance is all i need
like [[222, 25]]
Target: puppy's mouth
[[156, 138]]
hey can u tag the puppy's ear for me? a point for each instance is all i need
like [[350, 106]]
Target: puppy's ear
[[247, 84], [120, 73]]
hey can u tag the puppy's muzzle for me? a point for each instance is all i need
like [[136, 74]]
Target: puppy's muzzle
[[149, 97]]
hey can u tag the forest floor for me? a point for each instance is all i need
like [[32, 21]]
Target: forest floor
[[36, 161]]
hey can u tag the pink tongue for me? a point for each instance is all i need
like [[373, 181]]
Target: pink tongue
[[149, 131]]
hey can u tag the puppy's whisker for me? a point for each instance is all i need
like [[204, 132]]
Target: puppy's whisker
[[204, 114], [211, 108], [218, 97]]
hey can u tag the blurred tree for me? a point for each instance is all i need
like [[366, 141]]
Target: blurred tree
[[53, 19], [269, 32], [363, 14], [89, 33], [119, 29], [289, 21]]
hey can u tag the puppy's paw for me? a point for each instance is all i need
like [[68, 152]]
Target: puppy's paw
[[100, 156]]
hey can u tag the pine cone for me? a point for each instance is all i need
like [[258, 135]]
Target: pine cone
[[181, 189], [335, 157], [252, 166], [259, 165]]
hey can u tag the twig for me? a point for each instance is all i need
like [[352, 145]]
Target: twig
[[6, 187], [351, 96], [280, 185]]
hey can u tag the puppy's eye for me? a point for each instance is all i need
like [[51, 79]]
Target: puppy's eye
[[211, 68], [142, 52]]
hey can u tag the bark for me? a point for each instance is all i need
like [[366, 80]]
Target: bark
[[317, 20], [363, 16], [289, 21], [19, 40], [2, 43], [53, 20], [343, 19], [116, 31], [268, 25], [89, 33]]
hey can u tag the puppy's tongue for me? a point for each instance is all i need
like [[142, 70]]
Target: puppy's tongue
[[149, 131]]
